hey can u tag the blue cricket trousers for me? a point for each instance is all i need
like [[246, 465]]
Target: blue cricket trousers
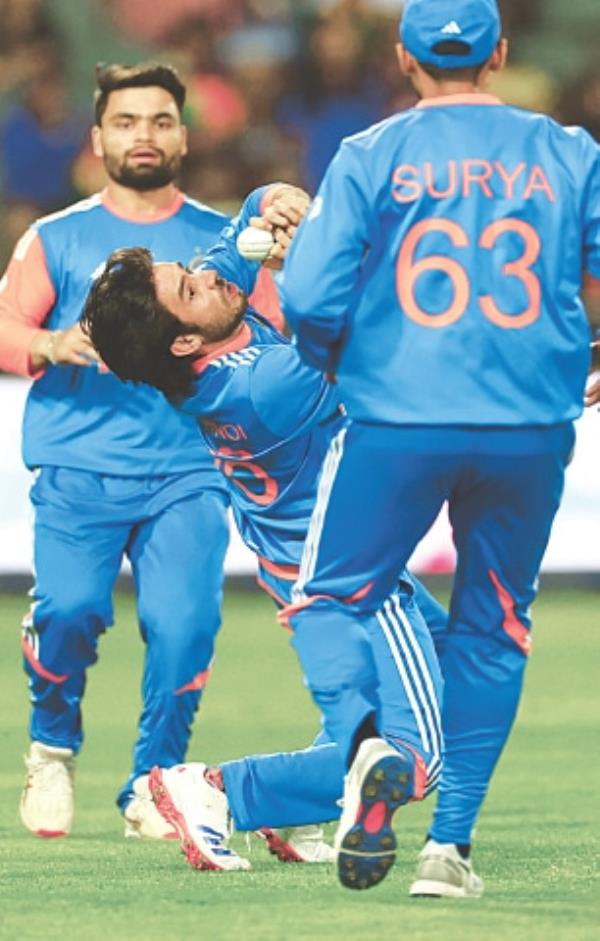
[[301, 787], [174, 531], [381, 489]]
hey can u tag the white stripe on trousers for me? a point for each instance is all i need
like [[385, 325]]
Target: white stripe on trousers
[[394, 622], [417, 683], [315, 528], [430, 700]]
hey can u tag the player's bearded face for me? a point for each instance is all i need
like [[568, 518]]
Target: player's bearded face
[[141, 139], [142, 177]]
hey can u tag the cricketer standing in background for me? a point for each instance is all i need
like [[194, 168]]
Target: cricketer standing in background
[[118, 471], [438, 276]]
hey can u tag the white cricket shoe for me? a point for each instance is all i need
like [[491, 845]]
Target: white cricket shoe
[[298, 844], [199, 812], [379, 781], [47, 801], [442, 872], [142, 819]]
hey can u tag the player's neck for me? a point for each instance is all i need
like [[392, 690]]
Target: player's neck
[[233, 342], [147, 204], [429, 88], [445, 87]]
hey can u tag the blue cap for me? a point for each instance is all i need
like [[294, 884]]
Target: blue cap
[[426, 24]]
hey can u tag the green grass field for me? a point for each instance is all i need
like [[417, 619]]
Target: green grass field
[[537, 842]]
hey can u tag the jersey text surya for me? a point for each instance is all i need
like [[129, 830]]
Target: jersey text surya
[[465, 178]]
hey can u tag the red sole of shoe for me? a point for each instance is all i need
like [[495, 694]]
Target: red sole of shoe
[[169, 812], [279, 848]]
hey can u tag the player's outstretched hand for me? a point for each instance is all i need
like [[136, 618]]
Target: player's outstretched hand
[[69, 347], [287, 206], [282, 216], [592, 392]]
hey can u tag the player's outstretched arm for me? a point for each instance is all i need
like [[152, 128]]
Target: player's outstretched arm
[[224, 256], [278, 204]]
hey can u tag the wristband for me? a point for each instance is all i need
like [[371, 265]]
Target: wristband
[[51, 349]]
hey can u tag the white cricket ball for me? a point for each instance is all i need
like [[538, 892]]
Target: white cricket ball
[[254, 244]]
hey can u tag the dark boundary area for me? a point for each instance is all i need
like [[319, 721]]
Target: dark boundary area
[[20, 584]]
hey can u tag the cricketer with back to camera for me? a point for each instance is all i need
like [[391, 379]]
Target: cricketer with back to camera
[[394, 274]]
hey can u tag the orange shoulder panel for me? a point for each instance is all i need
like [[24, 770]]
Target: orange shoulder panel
[[26, 297]]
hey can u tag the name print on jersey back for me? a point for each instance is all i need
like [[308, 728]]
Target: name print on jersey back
[[466, 178]]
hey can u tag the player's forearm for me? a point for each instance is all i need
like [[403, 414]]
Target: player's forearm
[[23, 350], [224, 256], [27, 296], [316, 319], [317, 344], [321, 270]]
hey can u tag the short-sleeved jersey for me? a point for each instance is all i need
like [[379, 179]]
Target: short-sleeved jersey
[[439, 269], [82, 417], [268, 419]]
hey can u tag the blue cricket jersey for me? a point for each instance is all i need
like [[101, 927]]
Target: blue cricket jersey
[[268, 419], [439, 269], [81, 417]]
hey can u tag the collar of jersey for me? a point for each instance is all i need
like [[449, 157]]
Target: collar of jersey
[[468, 98], [170, 210], [240, 340]]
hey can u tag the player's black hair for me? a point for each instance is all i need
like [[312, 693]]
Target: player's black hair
[[452, 47], [111, 78], [131, 330]]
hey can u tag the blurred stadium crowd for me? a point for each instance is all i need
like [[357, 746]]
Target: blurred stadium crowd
[[273, 85]]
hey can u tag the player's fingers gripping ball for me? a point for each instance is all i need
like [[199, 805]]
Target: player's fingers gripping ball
[[255, 244]]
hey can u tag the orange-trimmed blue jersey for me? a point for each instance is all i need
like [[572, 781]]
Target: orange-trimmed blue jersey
[[83, 417], [449, 242]]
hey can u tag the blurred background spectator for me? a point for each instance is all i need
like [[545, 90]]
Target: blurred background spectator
[[334, 92], [273, 85], [28, 31], [40, 137]]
